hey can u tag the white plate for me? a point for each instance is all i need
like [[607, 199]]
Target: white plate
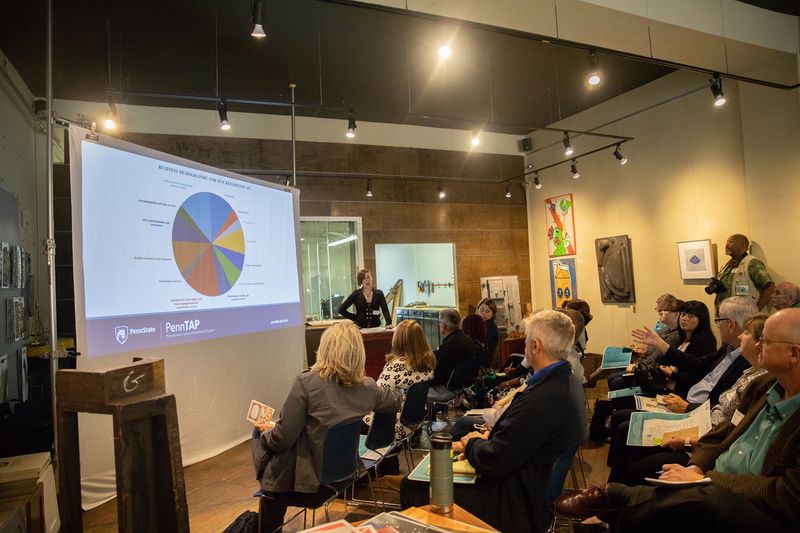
[[677, 484]]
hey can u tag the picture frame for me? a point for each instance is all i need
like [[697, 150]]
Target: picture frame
[[695, 259], [560, 220], [563, 281]]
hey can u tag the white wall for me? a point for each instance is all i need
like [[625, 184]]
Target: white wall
[[417, 262], [694, 172]]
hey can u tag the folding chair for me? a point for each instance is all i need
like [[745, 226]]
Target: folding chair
[[339, 471], [412, 415], [462, 376], [373, 448]]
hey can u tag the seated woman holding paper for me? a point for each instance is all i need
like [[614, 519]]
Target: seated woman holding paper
[[410, 361], [288, 454], [696, 338]]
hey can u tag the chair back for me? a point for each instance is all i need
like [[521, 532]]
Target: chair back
[[463, 374], [340, 452], [415, 405], [381, 432], [514, 360], [559, 475]]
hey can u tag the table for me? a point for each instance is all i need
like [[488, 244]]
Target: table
[[446, 521]]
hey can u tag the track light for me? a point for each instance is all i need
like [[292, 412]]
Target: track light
[[110, 120], [476, 137], [445, 51], [618, 154], [224, 125], [258, 20], [567, 147], [536, 182], [369, 188], [574, 168], [594, 70], [442, 194], [508, 190], [351, 126], [716, 89]]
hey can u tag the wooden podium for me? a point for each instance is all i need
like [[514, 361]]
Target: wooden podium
[[151, 495]]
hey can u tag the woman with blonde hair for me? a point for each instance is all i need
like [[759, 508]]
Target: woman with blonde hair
[[410, 361], [288, 453]]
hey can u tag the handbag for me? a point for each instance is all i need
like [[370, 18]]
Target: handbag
[[649, 376]]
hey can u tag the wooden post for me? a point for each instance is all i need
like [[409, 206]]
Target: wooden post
[[151, 495]]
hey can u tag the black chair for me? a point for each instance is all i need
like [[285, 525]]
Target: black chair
[[462, 376], [562, 466], [412, 415], [339, 471], [378, 443]]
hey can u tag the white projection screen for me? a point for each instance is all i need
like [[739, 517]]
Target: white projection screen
[[192, 264]]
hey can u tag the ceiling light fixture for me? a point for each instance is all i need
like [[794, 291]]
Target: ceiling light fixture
[[442, 194], [594, 70], [574, 168], [508, 190], [110, 120], [369, 188], [567, 146], [258, 20], [716, 89], [351, 126], [445, 51], [536, 182], [618, 154], [476, 137], [222, 108]]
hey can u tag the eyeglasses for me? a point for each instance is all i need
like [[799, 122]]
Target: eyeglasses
[[766, 342], [720, 319]]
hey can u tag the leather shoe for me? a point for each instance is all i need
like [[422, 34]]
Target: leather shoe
[[584, 503]]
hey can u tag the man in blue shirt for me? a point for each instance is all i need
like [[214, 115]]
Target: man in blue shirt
[[751, 464]]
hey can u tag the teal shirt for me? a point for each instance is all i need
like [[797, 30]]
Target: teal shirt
[[746, 455]]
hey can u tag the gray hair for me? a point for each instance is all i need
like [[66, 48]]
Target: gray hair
[[738, 308], [555, 330], [451, 318]]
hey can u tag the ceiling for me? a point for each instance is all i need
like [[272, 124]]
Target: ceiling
[[382, 64]]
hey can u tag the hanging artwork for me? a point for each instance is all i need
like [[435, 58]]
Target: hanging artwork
[[5, 265], [695, 259], [615, 269], [560, 226], [562, 281]]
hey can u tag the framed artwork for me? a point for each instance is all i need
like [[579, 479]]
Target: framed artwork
[[695, 260], [615, 269], [5, 265], [560, 225], [563, 281]]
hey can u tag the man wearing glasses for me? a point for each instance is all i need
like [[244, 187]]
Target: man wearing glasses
[[752, 461]]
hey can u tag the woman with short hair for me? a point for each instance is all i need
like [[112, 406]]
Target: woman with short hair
[[288, 453]]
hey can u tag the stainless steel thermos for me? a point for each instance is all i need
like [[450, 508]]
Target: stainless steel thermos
[[441, 473]]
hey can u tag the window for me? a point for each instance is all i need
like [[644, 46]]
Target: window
[[331, 251]]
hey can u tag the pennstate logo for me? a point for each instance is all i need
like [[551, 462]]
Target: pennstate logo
[[121, 334]]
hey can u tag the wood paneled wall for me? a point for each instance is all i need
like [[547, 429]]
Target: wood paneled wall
[[489, 231]]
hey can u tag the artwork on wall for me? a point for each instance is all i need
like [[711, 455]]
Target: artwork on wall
[[563, 281], [615, 269], [5, 265], [695, 259], [15, 319], [560, 225], [17, 274]]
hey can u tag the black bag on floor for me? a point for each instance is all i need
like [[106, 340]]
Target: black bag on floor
[[247, 522], [599, 428]]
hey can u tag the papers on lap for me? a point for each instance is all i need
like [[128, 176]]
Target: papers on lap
[[653, 429], [259, 414], [616, 357], [422, 473], [652, 405], [624, 393]]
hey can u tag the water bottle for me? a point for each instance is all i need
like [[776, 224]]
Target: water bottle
[[441, 473]]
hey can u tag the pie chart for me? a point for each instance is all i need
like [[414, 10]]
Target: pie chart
[[208, 244]]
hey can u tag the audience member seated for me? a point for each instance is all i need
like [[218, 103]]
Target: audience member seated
[[475, 328], [487, 310], [696, 339], [515, 458], [288, 453], [583, 308], [575, 357], [785, 296], [753, 462], [644, 461], [725, 369], [454, 348], [410, 361]]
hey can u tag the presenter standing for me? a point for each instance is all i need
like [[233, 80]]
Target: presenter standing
[[369, 301]]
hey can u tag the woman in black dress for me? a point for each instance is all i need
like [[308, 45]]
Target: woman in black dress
[[369, 301]]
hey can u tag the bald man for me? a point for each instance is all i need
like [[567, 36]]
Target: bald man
[[785, 296], [749, 276]]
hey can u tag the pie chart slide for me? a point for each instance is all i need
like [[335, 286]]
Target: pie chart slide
[[208, 244]]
